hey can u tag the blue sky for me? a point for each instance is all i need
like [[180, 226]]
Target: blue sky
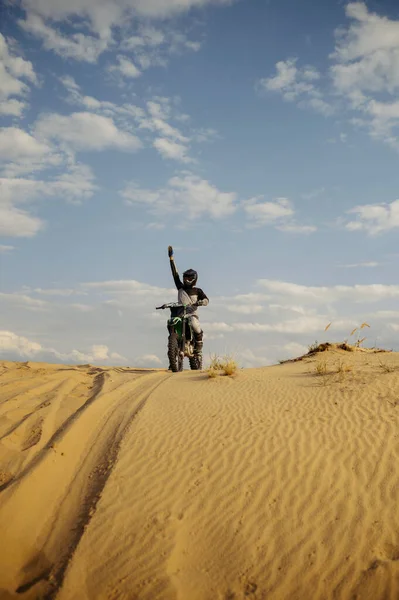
[[259, 138]]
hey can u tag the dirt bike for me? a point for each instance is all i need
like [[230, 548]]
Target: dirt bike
[[181, 338]]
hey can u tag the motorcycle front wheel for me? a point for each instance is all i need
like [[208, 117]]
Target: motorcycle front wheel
[[196, 362], [175, 358]]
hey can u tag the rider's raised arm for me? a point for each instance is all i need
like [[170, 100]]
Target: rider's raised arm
[[175, 274]]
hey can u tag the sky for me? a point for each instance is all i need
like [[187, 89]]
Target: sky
[[259, 137]]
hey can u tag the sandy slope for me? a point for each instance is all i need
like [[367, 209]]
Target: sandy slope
[[129, 484]]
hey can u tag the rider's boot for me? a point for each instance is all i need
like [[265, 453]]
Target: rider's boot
[[198, 343]]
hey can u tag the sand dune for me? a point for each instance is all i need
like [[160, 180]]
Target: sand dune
[[143, 485]]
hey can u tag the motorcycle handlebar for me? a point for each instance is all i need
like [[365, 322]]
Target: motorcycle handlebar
[[171, 305], [177, 305]]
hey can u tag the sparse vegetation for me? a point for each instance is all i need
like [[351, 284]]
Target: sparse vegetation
[[387, 368], [313, 347], [230, 367], [343, 368], [326, 374], [321, 367], [212, 372], [317, 347], [225, 365]]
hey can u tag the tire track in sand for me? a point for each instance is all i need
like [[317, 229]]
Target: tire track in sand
[[61, 489], [266, 486]]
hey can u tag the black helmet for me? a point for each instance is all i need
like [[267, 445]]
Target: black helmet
[[190, 278]]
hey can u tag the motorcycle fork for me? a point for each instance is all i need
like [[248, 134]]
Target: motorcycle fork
[[183, 334]]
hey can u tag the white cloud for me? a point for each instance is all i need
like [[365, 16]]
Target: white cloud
[[207, 134], [172, 150], [171, 144], [297, 84], [78, 46], [128, 286], [125, 67], [151, 54], [14, 346], [108, 109], [268, 212], [303, 324], [151, 46], [12, 70], [296, 228], [245, 309], [18, 145], [213, 336], [100, 352], [111, 12], [12, 108], [284, 79], [314, 193], [18, 223], [367, 52], [148, 360], [386, 314], [363, 77], [330, 294], [366, 67], [85, 131], [294, 349], [247, 358], [23, 300], [145, 36], [278, 213], [74, 185], [159, 111], [368, 265], [185, 193], [23, 154], [217, 327], [375, 218], [82, 307], [55, 292], [10, 341], [4, 249], [155, 118]]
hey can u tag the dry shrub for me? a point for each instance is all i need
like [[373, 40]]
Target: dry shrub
[[321, 367], [343, 368], [229, 367], [387, 368], [225, 365], [212, 372]]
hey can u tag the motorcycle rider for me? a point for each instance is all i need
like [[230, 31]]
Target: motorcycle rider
[[191, 295]]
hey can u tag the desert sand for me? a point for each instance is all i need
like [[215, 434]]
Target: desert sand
[[278, 483]]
